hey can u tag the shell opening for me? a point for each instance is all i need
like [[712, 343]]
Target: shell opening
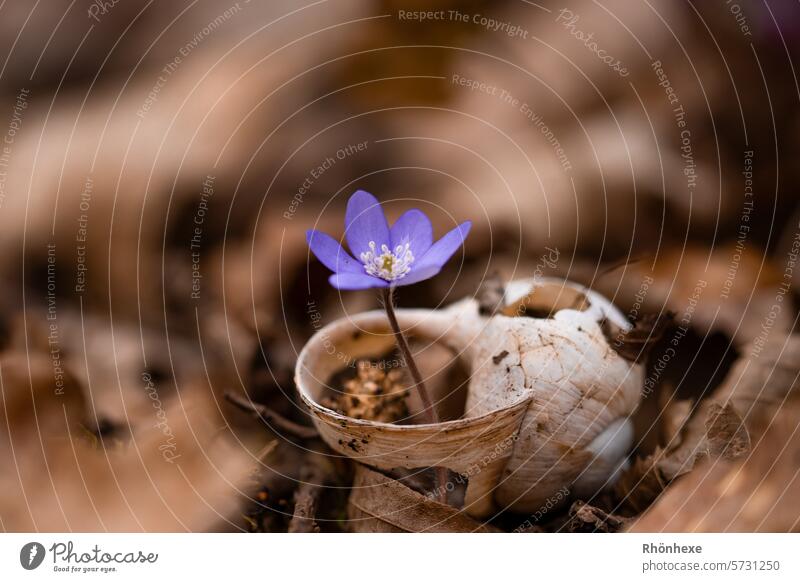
[[545, 300]]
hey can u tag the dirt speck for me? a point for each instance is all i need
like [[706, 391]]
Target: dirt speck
[[499, 357]]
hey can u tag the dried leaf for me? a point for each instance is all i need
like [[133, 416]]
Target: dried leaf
[[635, 344], [641, 484], [586, 518], [715, 431], [756, 491], [381, 504], [726, 435], [462, 445], [675, 414]]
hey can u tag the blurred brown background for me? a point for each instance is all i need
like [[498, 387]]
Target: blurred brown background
[[162, 161]]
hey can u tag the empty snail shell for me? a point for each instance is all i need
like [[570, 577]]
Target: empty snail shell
[[548, 402]]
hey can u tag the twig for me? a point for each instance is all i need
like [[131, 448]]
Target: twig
[[315, 475], [269, 416], [305, 507], [427, 403]]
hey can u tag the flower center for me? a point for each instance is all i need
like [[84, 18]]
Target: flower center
[[387, 264]]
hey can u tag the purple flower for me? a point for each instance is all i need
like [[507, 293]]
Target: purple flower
[[400, 255]]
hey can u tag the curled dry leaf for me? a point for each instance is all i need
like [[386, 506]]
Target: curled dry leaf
[[675, 414], [634, 344], [553, 411], [726, 435], [697, 285], [715, 431], [586, 518], [755, 492], [381, 504], [764, 379]]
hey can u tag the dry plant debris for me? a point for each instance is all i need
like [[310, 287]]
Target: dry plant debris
[[381, 504], [318, 471], [756, 490], [715, 431], [586, 518], [374, 393], [635, 344]]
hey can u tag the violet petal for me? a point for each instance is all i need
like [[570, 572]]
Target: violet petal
[[354, 281], [417, 275], [432, 262], [415, 228], [364, 223], [331, 254]]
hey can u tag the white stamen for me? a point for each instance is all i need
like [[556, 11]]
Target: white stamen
[[388, 265]]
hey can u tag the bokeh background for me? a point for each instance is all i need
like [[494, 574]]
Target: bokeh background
[[161, 162]]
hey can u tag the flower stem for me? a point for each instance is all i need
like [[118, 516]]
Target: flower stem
[[427, 403]]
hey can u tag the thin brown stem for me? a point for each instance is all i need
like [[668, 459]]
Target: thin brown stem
[[271, 417], [427, 404]]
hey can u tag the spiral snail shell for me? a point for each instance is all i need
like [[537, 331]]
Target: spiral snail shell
[[548, 401]]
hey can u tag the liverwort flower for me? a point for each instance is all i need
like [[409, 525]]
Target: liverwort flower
[[384, 257]]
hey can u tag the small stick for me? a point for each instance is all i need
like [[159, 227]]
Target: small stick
[[427, 403], [317, 473], [305, 507], [269, 416]]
